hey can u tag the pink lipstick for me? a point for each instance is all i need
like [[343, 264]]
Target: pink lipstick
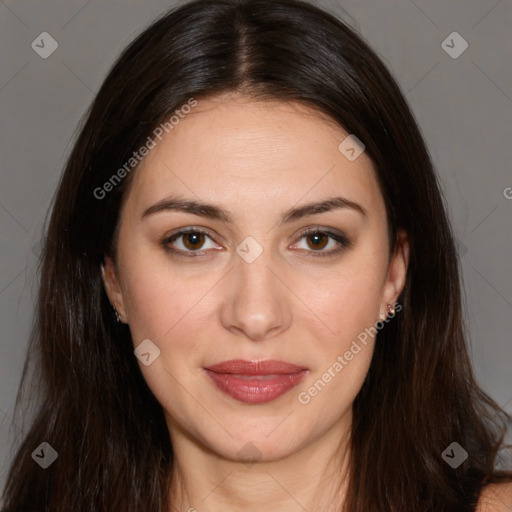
[[255, 382]]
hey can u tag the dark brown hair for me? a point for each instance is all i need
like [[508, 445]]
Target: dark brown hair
[[94, 406]]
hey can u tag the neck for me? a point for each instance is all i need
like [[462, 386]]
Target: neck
[[312, 478]]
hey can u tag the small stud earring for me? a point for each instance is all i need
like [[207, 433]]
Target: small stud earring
[[116, 314], [390, 310]]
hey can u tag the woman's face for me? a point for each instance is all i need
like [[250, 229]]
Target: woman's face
[[254, 287]]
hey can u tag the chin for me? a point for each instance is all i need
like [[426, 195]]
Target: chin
[[252, 447]]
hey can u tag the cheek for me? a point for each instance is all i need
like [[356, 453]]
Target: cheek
[[348, 303], [347, 300], [157, 296], [163, 306], [343, 355], [168, 309], [169, 305]]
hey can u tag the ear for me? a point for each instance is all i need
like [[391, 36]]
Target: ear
[[112, 288], [397, 272]]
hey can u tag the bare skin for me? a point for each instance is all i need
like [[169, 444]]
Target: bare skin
[[496, 498], [256, 160]]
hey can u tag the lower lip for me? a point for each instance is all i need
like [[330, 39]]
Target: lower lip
[[254, 389]]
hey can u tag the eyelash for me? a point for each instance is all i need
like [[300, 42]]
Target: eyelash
[[338, 237]]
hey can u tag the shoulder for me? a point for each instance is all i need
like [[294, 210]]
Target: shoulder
[[496, 498]]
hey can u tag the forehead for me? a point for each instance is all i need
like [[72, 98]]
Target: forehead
[[255, 154]]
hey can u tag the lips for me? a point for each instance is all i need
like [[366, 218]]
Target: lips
[[255, 382]]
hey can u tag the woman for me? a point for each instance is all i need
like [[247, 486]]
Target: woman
[[249, 293]]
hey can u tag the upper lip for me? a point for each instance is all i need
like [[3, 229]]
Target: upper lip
[[266, 367]]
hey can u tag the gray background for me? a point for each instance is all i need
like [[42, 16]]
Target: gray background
[[463, 106]]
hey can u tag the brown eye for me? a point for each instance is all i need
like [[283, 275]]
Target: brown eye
[[189, 242], [322, 242], [318, 240], [193, 240]]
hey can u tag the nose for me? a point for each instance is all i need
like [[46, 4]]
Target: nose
[[256, 301]]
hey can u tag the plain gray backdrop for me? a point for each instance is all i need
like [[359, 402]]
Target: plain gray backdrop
[[463, 104]]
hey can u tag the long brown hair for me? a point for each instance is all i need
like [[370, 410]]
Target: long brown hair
[[94, 407]]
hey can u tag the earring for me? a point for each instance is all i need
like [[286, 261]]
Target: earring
[[390, 310], [118, 318]]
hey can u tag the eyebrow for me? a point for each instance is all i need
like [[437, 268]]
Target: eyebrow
[[215, 212]]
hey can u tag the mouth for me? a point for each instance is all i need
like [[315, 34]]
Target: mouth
[[255, 382]]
